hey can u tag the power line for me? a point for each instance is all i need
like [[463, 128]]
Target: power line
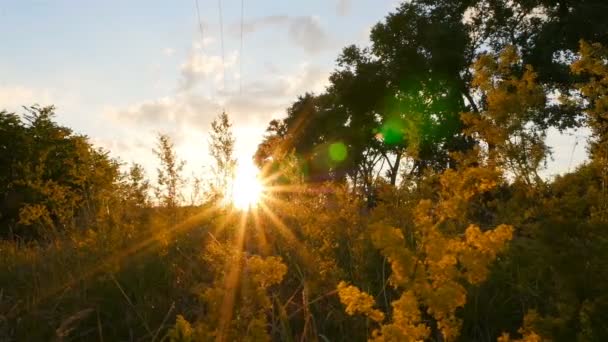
[[241, 52], [572, 153], [219, 5], [200, 24]]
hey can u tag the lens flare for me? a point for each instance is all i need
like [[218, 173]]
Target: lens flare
[[247, 189]]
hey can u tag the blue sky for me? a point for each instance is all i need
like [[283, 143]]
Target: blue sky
[[121, 71]]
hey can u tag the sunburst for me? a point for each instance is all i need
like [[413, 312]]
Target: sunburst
[[247, 189]]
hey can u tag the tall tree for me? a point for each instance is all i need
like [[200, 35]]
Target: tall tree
[[137, 186], [52, 179], [400, 99], [169, 175], [221, 149]]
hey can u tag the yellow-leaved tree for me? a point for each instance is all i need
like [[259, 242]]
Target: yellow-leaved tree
[[512, 101], [433, 260], [237, 304], [445, 250], [593, 65]]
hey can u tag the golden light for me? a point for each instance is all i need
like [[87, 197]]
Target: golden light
[[247, 188]]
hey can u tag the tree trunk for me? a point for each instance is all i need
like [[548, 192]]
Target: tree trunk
[[395, 170]]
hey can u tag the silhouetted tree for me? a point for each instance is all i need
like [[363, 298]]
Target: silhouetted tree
[[169, 179], [221, 149]]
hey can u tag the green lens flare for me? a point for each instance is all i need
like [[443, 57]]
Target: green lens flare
[[337, 151], [392, 132]]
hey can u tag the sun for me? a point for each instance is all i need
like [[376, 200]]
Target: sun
[[247, 188]]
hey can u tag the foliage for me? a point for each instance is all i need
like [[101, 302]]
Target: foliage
[[432, 260], [358, 302], [51, 178], [403, 203], [221, 149], [169, 179], [510, 104]]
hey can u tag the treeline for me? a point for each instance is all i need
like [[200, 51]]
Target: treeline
[[403, 203], [78, 227]]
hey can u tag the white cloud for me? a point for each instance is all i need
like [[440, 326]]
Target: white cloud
[[168, 51], [206, 42], [308, 78], [258, 102], [200, 67], [170, 113], [12, 98], [187, 113], [304, 31]]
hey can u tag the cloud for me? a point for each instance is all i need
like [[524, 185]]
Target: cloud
[[201, 67], [259, 101], [169, 113], [308, 78], [122, 148], [186, 114], [168, 51], [343, 6], [304, 31], [308, 33], [12, 98], [256, 24]]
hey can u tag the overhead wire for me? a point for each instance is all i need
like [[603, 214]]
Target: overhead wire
[[222, 45], [574, 145], [200, 24], [572, 153], [241, 52], [202, 31], [219, 5]]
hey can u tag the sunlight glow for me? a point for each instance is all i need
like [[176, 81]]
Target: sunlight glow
[[247, 189]]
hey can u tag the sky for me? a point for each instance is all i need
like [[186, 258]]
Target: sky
[[123, 71]]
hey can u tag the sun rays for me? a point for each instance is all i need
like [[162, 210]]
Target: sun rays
[[254, 219], [247, 189], [248, 224]]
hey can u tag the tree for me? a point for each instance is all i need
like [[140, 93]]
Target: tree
[[434, 261], [137, 186], [398, 99], [272, 147], [52, 180], [593, 66], [169, 178], [512, 98], [398, 102], [221, 149]]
